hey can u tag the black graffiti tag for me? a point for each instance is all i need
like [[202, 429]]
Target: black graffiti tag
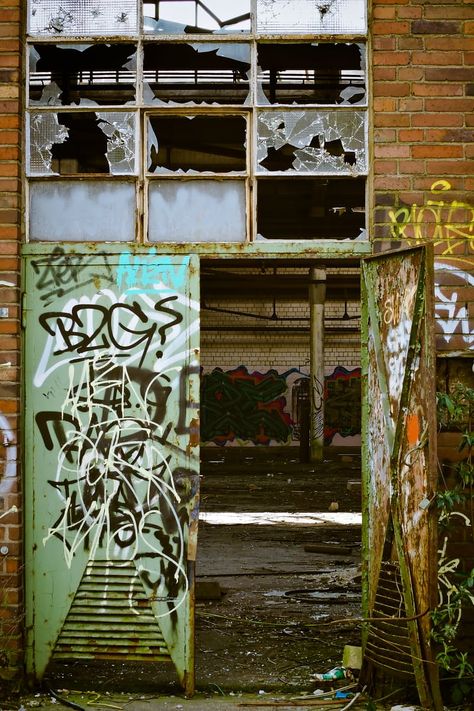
[[92, 327], [60, 273]]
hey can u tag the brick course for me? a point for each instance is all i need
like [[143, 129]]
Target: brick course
[[11, 593]]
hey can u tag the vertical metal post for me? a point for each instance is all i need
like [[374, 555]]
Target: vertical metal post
[[317, 296]]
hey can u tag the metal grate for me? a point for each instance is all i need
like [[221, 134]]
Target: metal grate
[[111, 618], [388, 645]]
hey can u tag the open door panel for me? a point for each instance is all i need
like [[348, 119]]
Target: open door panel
[[399, 469], [112, 458]]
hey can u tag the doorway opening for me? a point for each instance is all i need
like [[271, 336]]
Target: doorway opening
[[280, 536]]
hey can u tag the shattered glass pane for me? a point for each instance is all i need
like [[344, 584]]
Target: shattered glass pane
[[97, 211], [85, 142], [120, 131], [197, 211], [45, 132], [188, 16], [311, 208], [202, 72], [196, 143], [311, 73], [312, 141], [82, 74], [311, 16], [82, 17]]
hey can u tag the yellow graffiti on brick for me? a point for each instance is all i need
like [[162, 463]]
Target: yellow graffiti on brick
[[446, 224]]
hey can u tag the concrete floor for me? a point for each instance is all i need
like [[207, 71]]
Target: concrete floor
[[269, 630]]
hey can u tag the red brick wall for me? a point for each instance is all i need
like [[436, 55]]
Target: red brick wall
[[423, 121], [10, 232]]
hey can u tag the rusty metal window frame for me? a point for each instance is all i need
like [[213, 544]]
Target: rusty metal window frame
[[251, 111]]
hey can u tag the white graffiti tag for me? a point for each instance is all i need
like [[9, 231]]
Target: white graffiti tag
[[451, 316], [398, 339]]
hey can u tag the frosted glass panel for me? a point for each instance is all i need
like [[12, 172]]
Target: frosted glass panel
[[82, 211], [308, 16], [197, 211], [82, 17]]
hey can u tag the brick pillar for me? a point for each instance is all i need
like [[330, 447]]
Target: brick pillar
[[11, 588]]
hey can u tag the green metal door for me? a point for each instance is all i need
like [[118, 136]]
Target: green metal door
[[399, 468], [112, 457]]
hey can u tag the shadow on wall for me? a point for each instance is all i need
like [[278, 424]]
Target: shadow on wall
[[248, 407]]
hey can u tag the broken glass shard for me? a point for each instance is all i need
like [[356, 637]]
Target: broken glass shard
[[196, 143], [201, 73], [312, 141], [311, 16], [45, 132], [309, 73], [311, 208], [85, 142], [120, 130], [82, 74], [97, 211], [196, 16], [197, 211], [82, 17]]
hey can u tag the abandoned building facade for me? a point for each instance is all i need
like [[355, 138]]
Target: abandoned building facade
[[222, 224]]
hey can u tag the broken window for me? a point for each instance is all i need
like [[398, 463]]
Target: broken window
[[207, 73], [110, 83], [196, 143], [184, 17], [82, 17], [85, 142], [96, 211], [197, 211], [82, 74], [325, 73], [311, 16], [311, 208], [312, 141]]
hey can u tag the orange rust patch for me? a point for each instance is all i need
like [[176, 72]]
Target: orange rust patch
[[194, 429], [413, 429]]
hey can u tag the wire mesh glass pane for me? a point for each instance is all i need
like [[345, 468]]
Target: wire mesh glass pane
[[82, 17], [328, 142], [311, 16]]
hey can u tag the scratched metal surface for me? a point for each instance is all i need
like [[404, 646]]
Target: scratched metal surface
[[112, 464]]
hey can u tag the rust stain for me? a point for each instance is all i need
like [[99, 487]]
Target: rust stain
[[413, 429], [194, 432]]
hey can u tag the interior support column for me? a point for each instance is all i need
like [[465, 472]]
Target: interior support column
[[317, 296]]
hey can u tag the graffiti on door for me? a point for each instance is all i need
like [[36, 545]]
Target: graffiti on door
[[115, 379]]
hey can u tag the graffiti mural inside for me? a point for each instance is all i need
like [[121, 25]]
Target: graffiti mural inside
[[244, 406], [238, 405]]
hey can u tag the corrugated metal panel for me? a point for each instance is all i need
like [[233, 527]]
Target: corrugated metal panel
[[111, 618], [388, 644]]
